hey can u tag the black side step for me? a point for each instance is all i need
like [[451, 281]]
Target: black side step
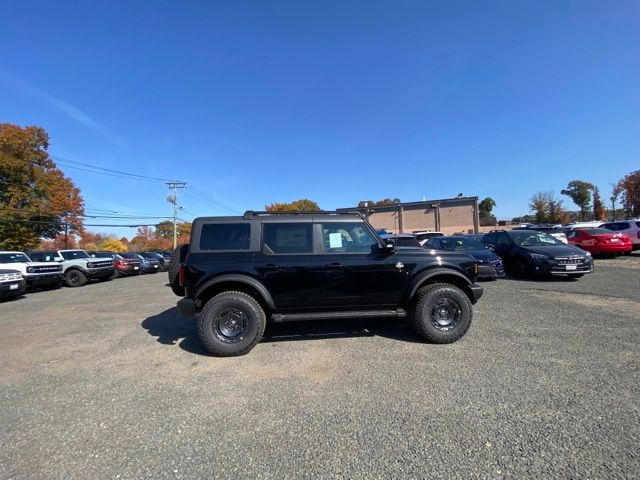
[[292, 317]]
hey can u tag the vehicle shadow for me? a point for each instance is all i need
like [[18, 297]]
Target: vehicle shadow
[[542, 279], [171, 328]]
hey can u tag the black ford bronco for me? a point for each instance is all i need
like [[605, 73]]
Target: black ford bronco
[[237, 272]]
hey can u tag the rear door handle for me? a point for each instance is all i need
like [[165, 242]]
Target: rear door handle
[[334, 265]]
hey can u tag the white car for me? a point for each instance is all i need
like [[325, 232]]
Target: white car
[[631, 228], [35, 274], [424, 236], [573, 226]]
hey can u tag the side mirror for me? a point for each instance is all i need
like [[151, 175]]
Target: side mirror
[[491, 247], [58, 259], [389, 247]]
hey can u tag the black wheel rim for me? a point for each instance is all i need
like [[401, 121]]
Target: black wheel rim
[[445, 314], [74, 278], [231, 325]]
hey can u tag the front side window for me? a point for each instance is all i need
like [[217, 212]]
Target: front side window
[[347, 238], [225, 236], [283, 238]]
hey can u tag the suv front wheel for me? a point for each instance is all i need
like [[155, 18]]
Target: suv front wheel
[[231, 324], [441, 313]]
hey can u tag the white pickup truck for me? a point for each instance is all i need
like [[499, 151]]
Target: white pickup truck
[[35, 274], [78, 266]]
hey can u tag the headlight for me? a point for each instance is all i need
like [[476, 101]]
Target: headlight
[[588, 254], [538, 256], [90, 265], [30, 269]]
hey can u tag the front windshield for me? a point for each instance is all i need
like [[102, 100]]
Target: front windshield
[[74, 254], [14, 258], [460, 243], [533, 239]]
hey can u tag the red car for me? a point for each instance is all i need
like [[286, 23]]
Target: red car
[[600, 241]]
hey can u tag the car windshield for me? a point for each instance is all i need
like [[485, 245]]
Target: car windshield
[[73, 254], [405, 241], [533, 239], [460, 243], [13, 258]]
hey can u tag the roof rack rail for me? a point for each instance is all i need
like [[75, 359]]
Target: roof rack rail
[[256, 213]]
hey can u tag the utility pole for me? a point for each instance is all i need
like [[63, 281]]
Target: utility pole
[[173, 198]]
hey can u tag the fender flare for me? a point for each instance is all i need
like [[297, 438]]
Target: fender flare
[[238, 277], [433, 272], [74, 267]]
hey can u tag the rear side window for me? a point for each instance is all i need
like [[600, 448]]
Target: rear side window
[[287, 237], [225, 236]]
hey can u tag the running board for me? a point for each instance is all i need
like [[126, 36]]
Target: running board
[[352, 314]]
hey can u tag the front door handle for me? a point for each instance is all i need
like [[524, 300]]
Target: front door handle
[[334, 265], [270, 267]]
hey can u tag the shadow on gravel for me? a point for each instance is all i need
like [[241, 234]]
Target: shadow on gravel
[[171, 328], [543, 279]]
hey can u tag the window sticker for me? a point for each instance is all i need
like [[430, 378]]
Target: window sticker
[[335, 240]]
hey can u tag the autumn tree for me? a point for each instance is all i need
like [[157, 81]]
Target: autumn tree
[[539, 205], [112, 244], [580, 193], [165, 229], [599, 211], [302, 205], [629, 187], [36, 198], [616, 190]]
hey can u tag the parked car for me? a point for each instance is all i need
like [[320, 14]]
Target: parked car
[[35, 274], [156, 256], [402, 239], [125, 267], [489, 264], [556, 231], [78, 266], [237, 272], [423, 236], [148, 265], [11, 283], [600, 241], [528, 252], [631, 228]]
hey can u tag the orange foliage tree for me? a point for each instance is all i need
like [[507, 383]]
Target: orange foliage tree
[[36, 198]]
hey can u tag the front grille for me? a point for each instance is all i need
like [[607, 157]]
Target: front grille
[[9, 277], [46, 269], [569, 260], [102, 264]]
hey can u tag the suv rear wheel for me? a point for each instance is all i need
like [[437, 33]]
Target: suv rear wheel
[[441, 313], [231, 324]]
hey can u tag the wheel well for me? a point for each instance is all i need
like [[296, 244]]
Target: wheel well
[[459, 282], [227, 286]]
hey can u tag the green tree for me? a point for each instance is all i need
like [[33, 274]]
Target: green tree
[[301, 205], [36, 199], [580, 193], [485, 207]]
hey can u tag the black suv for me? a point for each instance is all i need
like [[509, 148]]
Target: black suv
[[529, 252], [239, 271]]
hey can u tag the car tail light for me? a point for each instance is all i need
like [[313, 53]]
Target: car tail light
[[181, 275]]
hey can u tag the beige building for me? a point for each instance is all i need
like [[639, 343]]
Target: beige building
[[449, 216]]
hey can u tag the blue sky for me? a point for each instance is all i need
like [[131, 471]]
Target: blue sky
[[255, 102]]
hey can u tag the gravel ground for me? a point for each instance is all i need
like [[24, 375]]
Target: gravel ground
[[107, 381]]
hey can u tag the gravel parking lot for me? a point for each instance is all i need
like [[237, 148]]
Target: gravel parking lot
[[107, 381]]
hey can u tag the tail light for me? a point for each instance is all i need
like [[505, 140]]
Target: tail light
[[181, 275]]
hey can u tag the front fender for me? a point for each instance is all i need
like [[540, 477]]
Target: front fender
[[422, 277]]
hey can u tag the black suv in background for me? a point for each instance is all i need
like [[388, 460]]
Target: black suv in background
[[529, 252], [237, 272]]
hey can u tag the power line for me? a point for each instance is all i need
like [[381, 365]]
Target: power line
[[112, 171]]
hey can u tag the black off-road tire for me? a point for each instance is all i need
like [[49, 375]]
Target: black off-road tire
[[426, 309], [75, 278], [177, 257], [238, 308], [114, 275]]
